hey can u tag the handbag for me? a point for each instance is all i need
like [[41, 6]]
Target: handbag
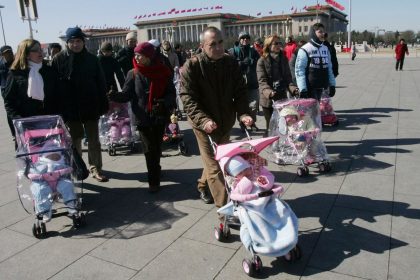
[[80, 170]]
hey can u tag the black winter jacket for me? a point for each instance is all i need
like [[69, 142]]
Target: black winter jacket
[[16, 100], [125, 59], [82, 86], [110, 66], [136, 90]]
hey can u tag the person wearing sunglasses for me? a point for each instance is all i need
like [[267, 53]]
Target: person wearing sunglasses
[[313, 68], [274, 76], [31, 85]]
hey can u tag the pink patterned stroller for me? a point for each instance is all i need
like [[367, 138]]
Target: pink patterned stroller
[[297, 122], [44, 160], [115, 128], [268, 225]]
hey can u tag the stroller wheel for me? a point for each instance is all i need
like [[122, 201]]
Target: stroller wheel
[[82, 219], [336, 123], [306, 170], [78, 221], [294, 254], [327, 166], [248, 267], [257, 263], [36, 231], [322, 167], [301, 171], [43, 230]]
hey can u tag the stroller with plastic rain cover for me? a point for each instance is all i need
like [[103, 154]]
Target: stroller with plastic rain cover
[[115, 129], [268, 226], [44, 171], [297, 123]]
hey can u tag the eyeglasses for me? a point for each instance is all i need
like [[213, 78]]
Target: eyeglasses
[[35, 49]]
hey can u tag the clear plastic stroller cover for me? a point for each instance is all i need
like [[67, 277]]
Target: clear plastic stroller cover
[[44, 158], [115, 126], [297, 122]]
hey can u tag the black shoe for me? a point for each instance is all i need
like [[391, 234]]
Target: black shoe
[[206, 196]]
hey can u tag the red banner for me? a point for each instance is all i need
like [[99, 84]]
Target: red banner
[[335, 4]]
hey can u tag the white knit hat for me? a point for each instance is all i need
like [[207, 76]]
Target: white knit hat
[[236, 165], [131, 36], [155, 42], [289, 111]]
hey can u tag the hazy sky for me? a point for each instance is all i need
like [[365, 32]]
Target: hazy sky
[[56, 15]]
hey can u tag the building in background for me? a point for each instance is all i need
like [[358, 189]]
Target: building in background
[[188, 29]]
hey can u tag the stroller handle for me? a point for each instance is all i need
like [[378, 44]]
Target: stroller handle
[[213, 144]]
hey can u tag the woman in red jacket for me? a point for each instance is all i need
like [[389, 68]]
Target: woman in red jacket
[[400, 51]]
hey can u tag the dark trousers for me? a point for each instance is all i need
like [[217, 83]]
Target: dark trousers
[[151, 141], [267, 111], [399, 63]]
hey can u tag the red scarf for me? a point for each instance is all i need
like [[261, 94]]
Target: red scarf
[[158, 75]]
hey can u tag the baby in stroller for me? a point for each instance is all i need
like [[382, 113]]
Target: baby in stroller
[[173, 135], [51, 175], [45, 174], [115, 128], [298, 125], [268, 225]]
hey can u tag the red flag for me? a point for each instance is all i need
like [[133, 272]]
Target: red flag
[[176, 12], [194, 10], [212, 8], [200, 9], [135, 17], [292, 8], [154, 14], [182, 11], [258, 14], [149, 15], [189, 11], [304, 8], [206, 8], [270, 12]]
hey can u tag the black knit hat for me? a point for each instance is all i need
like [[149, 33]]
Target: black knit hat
[[5, 49], [74, 32]]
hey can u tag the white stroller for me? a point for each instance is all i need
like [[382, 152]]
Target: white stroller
[[268, 226], [45, 170]]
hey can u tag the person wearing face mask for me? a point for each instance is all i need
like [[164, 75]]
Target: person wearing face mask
[[274, 76], [152, 94], [82, 96], [32, 85], [214, 93], [313, 67]]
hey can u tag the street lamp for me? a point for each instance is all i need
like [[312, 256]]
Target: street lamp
[[2, 27]]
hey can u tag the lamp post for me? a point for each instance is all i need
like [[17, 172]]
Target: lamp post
[[2, 27], [349, 34]]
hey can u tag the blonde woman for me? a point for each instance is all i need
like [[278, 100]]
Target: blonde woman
[[31, 83], [274, 77]]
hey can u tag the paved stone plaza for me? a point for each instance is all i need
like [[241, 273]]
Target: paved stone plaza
[[361, 221]]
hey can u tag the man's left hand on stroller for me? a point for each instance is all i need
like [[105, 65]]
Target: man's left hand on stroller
[[247, 121]]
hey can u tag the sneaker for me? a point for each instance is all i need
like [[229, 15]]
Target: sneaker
[[99, 176], [71, 208], [46, 217], [206, 196]]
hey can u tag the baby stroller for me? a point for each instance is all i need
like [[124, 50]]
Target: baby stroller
[[174, 136], [115, 129], [268, 226], [328, 116], [297, 122], [45, 174]]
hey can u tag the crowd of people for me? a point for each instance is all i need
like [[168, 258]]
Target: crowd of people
[[218, 88]]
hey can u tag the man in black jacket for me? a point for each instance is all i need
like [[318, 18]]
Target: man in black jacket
[[83, 96], [125, 56]]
